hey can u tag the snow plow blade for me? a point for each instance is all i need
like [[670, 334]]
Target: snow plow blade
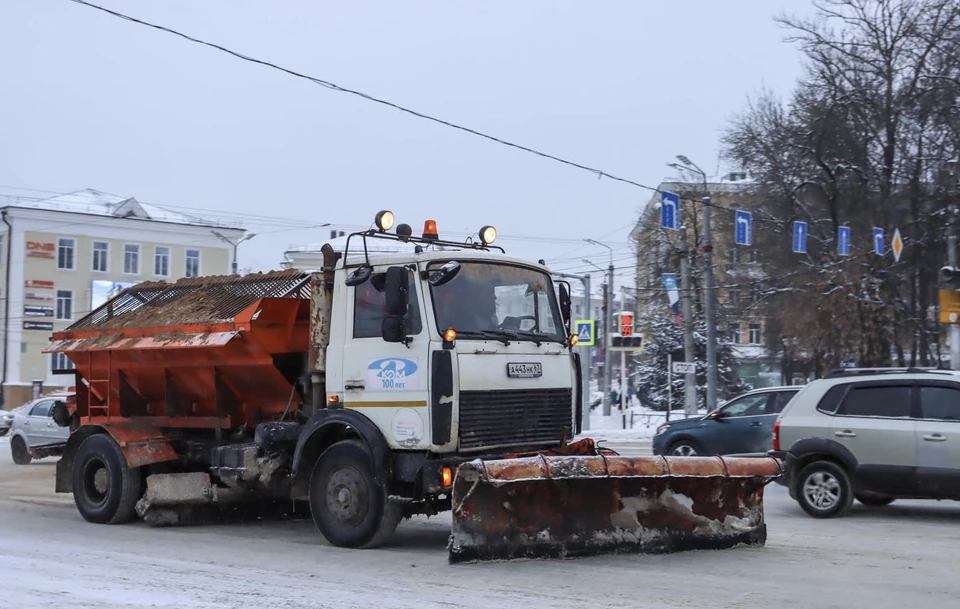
[[567, 506]]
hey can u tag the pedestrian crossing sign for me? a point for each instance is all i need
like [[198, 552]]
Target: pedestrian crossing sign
[[586, 335]]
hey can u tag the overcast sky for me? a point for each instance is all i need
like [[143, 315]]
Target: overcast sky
[[91, 101]]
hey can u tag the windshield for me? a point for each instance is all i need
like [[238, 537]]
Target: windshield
[[500, 301]]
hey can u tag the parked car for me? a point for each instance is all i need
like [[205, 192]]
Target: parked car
[[743, 425], [6, 421], [874, 435], [34, 434]]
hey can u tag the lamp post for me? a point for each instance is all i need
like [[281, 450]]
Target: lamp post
[[607, 329], [709, 308], [234, 244]]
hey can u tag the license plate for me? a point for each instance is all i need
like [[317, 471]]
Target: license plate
[[525, 371]]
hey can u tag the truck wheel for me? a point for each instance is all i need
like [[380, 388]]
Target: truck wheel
[[19, 452], [348, 505], [104, 488], [823, 490]]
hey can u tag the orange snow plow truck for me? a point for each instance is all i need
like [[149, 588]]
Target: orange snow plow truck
[[410, 375]]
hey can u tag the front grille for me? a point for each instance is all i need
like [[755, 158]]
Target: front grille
[[514, 418]]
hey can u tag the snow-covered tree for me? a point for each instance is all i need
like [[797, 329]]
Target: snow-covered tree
[[665, 337]]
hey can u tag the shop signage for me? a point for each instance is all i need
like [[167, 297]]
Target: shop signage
[[38, 283], [38, 297], [37, 311], [36, 249], [38, 325]]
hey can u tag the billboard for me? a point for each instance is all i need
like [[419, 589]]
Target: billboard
[[102, 291]]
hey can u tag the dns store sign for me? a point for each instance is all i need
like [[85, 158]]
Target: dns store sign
[[36, 249]]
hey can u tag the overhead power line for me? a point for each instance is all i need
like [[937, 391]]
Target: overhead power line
[[329, 85]]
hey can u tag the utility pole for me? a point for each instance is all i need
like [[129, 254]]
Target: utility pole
[[954, 328], [709, 308], [607, 360], [690, 382], [623, 366], [234, 244]]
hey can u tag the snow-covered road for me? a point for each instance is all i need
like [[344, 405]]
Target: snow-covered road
[[899, 556]]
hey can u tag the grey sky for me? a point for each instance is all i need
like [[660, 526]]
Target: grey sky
[[93, 101]]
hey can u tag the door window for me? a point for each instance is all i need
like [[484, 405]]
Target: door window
[[940, 403], [370, 307], [41, 409], [780, 400], [747, 406], [888, 401]]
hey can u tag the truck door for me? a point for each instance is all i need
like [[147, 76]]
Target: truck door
[[387, 381]]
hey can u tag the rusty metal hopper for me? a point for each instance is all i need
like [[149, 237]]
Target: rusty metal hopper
[[567, 506], [214, 352]]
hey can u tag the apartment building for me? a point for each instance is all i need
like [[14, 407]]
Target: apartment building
[[738, 270], [63, 256]]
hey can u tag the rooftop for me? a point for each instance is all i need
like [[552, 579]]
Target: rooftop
[[94, 202]]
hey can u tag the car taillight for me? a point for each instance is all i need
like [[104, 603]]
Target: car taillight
[[776, 435]]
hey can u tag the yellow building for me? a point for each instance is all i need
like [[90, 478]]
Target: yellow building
[[64, 256]]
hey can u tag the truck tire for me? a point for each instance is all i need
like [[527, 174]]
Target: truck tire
[[350, 508], [105, 489], [19, 451], [824, 490]]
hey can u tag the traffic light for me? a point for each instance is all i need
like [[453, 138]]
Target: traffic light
[[949, 278], [626, 343], [626, 324]]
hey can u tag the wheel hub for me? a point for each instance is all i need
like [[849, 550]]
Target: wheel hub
[[822, 490], [100, 480], [346, 495]]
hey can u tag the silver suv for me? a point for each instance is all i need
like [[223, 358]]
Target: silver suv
[[874, 435]]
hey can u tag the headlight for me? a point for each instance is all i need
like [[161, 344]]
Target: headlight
[[663, 428], [6, 417]]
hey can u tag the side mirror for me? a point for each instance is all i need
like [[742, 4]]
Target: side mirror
[[359, 276], [716, 415], [60, 414], [393, 330], [397, 291], [444, 274], [565, 305]]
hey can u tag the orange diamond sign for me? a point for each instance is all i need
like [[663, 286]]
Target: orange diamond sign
[[897, 245]]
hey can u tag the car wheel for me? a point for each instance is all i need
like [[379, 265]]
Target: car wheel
[[874, 500], [684, 448], [349, 506], [105, 489], [823, 490], [19, 451]]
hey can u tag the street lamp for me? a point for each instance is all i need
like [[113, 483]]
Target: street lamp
[[710, 311], [608, 326], [234, 244]]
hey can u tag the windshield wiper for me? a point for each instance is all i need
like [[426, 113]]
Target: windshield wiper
[[498, 336]]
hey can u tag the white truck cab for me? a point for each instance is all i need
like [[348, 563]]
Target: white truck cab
[[451, 350]]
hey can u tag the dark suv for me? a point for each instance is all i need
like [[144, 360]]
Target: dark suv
[[743, 425], [874, 435]]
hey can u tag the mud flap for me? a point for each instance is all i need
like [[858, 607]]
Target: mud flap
[[567, 506]]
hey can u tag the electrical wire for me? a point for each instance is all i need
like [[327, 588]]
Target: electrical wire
[[600, 173]]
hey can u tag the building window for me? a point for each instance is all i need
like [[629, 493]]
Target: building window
[[193, 263], [735, 336], [579, 308], [101, 256], [161, 261], [754, 255], [65, 305], [756, 293], [754, 334], [60, 361], [734, 297], [131, 259], [65, 251], [733, 255]]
